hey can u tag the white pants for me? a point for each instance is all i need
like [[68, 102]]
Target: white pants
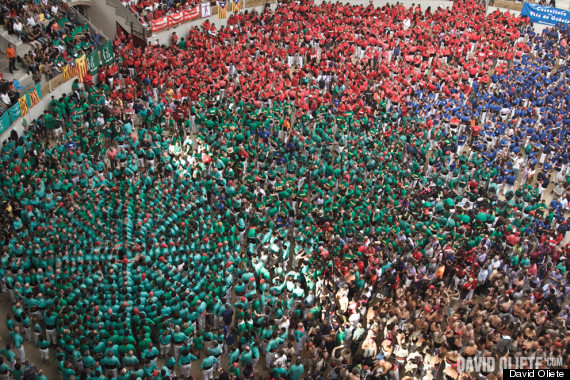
[[268, 359], [51, 336], [185, 369], [29, 334], [176, 352], [20, 354], [164, 349], [217, 321], [208, 374], [201, 322], [290, 60], [111, 373], [45, 354], [254, 362]]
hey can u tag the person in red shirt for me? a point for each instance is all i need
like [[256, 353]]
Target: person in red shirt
[[475, 130]]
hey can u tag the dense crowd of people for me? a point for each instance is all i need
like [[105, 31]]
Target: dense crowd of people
[[55, 33], [326, 191]]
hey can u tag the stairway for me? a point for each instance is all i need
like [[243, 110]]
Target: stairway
[[127, 18], [21, 49], [5, 39]]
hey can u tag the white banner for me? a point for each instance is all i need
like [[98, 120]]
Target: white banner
[[206, 10]]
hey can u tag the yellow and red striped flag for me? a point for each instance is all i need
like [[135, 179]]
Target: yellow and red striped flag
[[34, 97], [81, 67], [222, 9], [23, 105], [68, 72], [235, 4]]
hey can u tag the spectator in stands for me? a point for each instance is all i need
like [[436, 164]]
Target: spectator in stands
[[5, 99], [19, 28], [29, 66], [36, 37]]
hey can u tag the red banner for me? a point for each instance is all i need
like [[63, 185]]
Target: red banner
[[159, 24], [191, 14], [175, 19]]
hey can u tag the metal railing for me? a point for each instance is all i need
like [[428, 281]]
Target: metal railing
[[83, 18]]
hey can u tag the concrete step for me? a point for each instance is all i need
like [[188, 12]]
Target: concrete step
[[11, 38], [20, 46], [25, 80]]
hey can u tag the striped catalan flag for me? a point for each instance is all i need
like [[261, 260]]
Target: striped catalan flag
[[68, 72], [81, 67], [34, 97], [23, 105], [222, 9], [235, 4]]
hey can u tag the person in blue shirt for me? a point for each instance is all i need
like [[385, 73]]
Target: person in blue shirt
[[542, 178], [510, 180]]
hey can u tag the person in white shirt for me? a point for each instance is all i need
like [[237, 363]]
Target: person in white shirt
[[564, 202], [30, 20], [18, 28], [504, 113], [284, 323], [518, 162], [558, 191], [5, 98], [280, 359]]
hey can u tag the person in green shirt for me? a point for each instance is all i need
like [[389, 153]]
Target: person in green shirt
[[207, 367], [4, 369], [18, 342], [130, 360], [296, 370], [215, 350], [278, 371], [246, 356], [43, 345], [17, 372], [178, 339], [110, 365], [185, 363]]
